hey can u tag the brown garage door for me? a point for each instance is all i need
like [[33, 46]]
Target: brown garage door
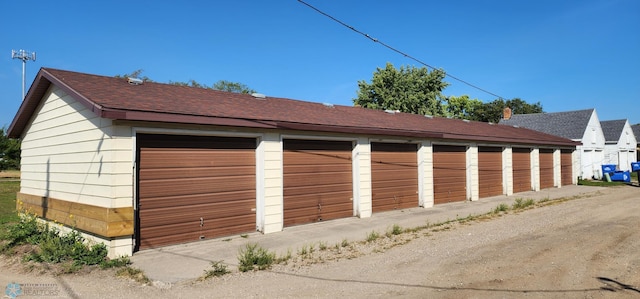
[[490, 171], [566, 167], [194, 187], [394, 176], [317, 181], [546, 168], [521, 169], [449, 173]]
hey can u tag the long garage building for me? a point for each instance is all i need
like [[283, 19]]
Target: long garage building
[[141, 165]]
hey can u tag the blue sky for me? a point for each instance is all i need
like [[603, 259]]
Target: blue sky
[[567, 55]]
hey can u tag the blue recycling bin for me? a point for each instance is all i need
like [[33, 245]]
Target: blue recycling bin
[[608, 168], [635, 166], [621, 176]]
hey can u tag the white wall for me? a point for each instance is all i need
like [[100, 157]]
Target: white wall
[[69, 153], [593, 142]]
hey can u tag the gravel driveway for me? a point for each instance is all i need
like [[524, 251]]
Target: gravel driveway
[[582, 248]]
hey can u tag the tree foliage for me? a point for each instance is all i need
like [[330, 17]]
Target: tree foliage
[[223, 85], [462, 107], [492, 111], [236, 87], [9, 151], [408, 89]]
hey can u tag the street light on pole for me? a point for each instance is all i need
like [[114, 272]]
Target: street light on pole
[[24, 56]]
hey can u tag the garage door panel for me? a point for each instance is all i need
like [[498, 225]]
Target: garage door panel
[[321, 158], [317, 178], [169, 187], [449, 173], [182, 179], [546, 168], [566, 167], [183, 158], [490, 171], [196, 199], [194, 172], [394, 170], [521, 170]]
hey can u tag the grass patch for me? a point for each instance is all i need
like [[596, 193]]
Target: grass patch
[[133, 274], [372, 236], [596, 183], [253, 257], [219, 269], [520, 204], [503, 207], [8, 191]]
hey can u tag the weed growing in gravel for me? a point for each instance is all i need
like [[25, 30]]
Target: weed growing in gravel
[[503, 207], [322, 245], [253, 257], [134, 274], [372, 236], [219, 269], [520, 204], [285, 258], [395, 230], [303, 250], [344, 243]]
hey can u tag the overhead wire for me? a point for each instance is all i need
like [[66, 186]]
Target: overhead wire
[[375, 40]]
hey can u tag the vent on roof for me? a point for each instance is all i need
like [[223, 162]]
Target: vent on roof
[[392, 111], [258, 95], [134, 81], [428, 116], [328, 105]]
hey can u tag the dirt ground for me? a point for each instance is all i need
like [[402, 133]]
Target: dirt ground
[[582, 248]]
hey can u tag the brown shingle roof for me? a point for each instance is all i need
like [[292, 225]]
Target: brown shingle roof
[[115, 98]]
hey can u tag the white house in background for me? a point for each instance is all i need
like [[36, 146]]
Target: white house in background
[[620, 143], [636, 133], [580, 125]]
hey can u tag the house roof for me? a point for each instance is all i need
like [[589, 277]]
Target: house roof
[[115, 98], [612, 129], [636, 132], [569, 124]]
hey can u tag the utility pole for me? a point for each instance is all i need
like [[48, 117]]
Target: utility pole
[[24, 56]]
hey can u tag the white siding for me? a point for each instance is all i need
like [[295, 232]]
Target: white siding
[[535, 169], [425, 174], [362, 178], [593, 142], [473, 181], [273, 183], [69, 153], [507, 169], [557, 168]]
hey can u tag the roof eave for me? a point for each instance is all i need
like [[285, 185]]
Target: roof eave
[[38, 88]]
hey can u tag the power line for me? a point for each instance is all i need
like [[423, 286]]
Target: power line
[[375, 40]]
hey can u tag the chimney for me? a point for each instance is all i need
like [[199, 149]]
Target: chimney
[[506, 113]]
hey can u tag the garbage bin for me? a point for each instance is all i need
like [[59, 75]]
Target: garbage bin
[[621, 176], [635, 166], [608, 168]]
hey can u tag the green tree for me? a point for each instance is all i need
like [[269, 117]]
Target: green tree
[[462, 107], [9, 151], [492, 111], [408, 89], [135, 74], [232, 87]]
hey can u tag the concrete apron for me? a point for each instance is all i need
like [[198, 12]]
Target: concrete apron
[[189, 261]]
